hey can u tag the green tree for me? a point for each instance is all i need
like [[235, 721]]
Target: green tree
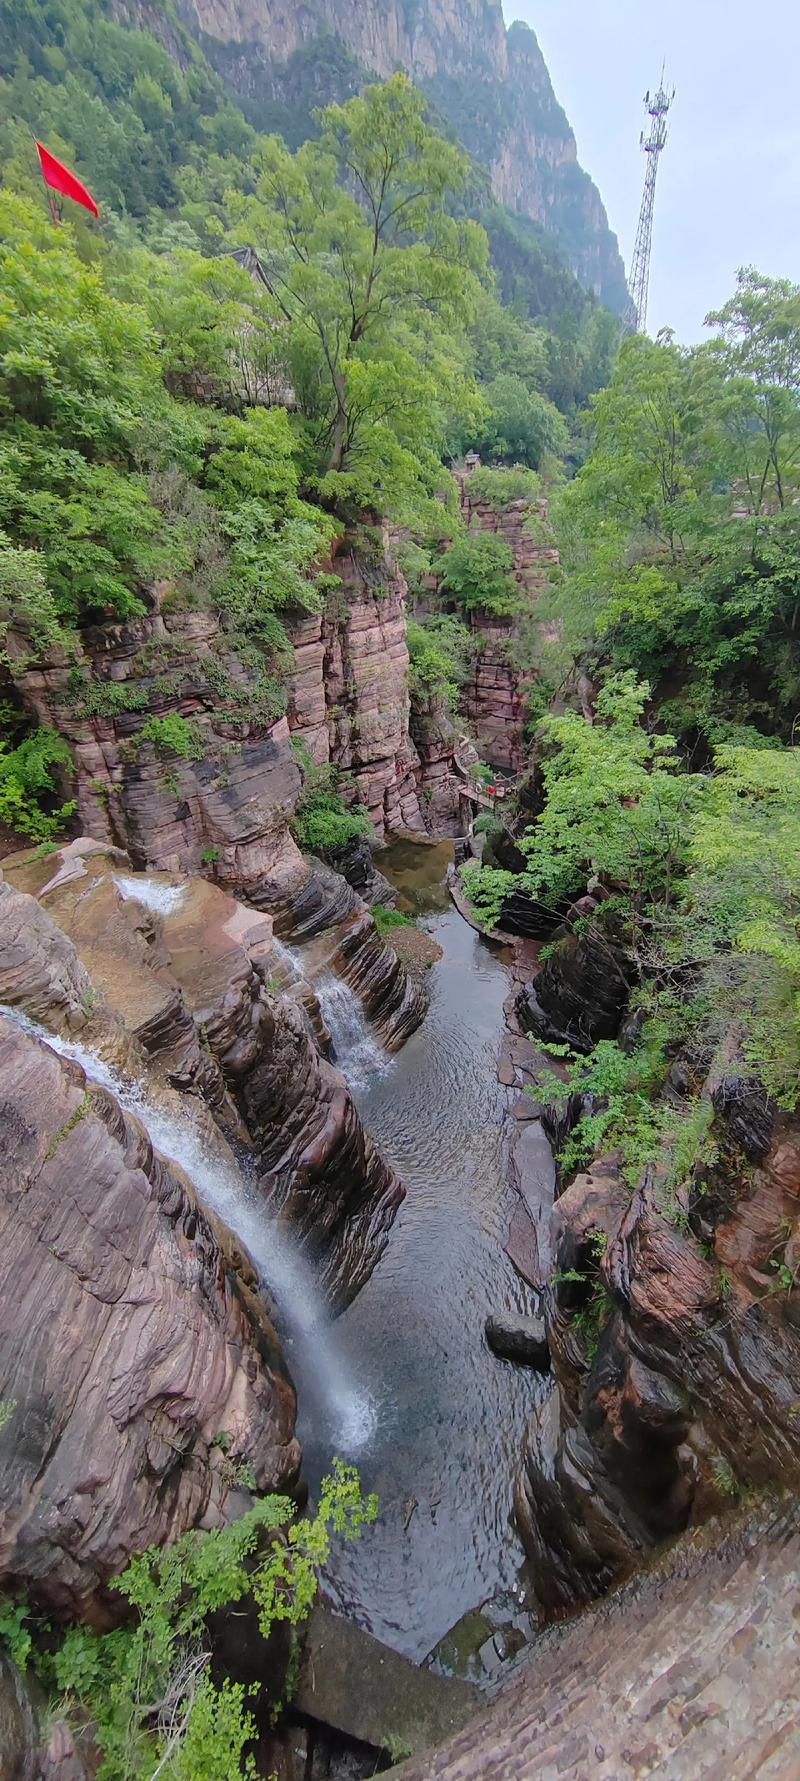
[[522, 426], [477, 574], [368, 269]]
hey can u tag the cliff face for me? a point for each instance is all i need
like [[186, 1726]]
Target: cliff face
[[492, 85], [496, 696], [131, 1338], [224, 801], [349, 700], [193, 987]]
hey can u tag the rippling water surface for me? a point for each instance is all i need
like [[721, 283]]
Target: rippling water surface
[[448, 1416]]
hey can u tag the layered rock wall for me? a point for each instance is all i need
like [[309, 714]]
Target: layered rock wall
[[218, 793], [193, 988], [496, 697], [349, 702], [139, 1363]]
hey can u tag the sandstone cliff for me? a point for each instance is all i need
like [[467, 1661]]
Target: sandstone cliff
[[497, 694], [195, 988], [140, 1364], [491, 84], [349, 702], [222, 801]]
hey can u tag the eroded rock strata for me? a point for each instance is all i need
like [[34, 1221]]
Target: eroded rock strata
[[670, 1307], [222, 802], [144, 1342], [191, 987]]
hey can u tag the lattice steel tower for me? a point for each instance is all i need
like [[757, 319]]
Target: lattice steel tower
[[657, 105]]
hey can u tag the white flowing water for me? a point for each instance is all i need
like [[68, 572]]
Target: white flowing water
[[359, 1055], [161, 898], [288, 957], [223, 1187]]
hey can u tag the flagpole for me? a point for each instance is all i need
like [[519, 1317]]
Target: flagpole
[[51, 203]]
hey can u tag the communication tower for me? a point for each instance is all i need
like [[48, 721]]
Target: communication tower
[[652, 143]]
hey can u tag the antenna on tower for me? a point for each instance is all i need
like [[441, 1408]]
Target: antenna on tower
[[657, 106]]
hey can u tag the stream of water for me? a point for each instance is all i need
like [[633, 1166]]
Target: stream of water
[[225, 1188], [449, 1416]]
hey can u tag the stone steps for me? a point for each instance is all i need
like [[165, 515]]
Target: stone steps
[[691, 1670]]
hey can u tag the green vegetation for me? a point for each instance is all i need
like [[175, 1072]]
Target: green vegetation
[[147, 1686], [323, 822], [388, 920], [680, 536], [439, 650], [499, 487], [476, 574]]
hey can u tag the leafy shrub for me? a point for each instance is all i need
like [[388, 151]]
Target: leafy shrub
[[172, 735], [27, 785], [322, 821], [500, 486], [476, 572], [438, 650], [147, 1685]]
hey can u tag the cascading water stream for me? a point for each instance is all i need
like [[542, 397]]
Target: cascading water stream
[[162, 899], [357, 1052], [224, 1188]]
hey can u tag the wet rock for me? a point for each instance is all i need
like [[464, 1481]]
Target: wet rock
[[132, 1341], [361, 1688], [225, 811], [193, 984], [582, 989], [676, 1368], [521, 1339]]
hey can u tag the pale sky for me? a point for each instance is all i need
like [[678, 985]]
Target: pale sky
[[729, 181]]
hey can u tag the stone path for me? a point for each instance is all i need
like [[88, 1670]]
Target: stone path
[[691, 1670]]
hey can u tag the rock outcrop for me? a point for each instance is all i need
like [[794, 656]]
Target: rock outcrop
[[349, 702], [673, 1319], [215, 791], [189, 983], [497, 696], [140, 1365], [492, 85]]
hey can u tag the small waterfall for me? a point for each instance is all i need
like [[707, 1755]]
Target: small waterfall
[[289, 958], [357, 1052], [225, 1190], [161, 898]]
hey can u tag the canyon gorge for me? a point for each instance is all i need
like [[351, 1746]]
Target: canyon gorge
[[399, 912]]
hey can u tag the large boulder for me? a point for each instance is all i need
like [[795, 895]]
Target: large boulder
[[521, 1339]]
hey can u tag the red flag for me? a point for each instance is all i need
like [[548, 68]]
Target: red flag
[[55, 174]]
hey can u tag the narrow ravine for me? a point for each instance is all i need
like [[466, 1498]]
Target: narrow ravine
[[448, 1416]]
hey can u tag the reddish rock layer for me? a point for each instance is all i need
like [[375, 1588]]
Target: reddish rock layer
[[676, 1356], [194, 988], [226, 810], [497, 694], [349, 701], [130, 1339]]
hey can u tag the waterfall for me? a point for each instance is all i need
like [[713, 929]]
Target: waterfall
[[223, 1187], [288, 957], [161, 898], [356, 1050]]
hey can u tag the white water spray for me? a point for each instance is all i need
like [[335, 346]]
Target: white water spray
[[225, 1189], [358, 1053], [161, 898]]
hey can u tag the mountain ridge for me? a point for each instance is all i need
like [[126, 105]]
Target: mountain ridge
[[491, 84]]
